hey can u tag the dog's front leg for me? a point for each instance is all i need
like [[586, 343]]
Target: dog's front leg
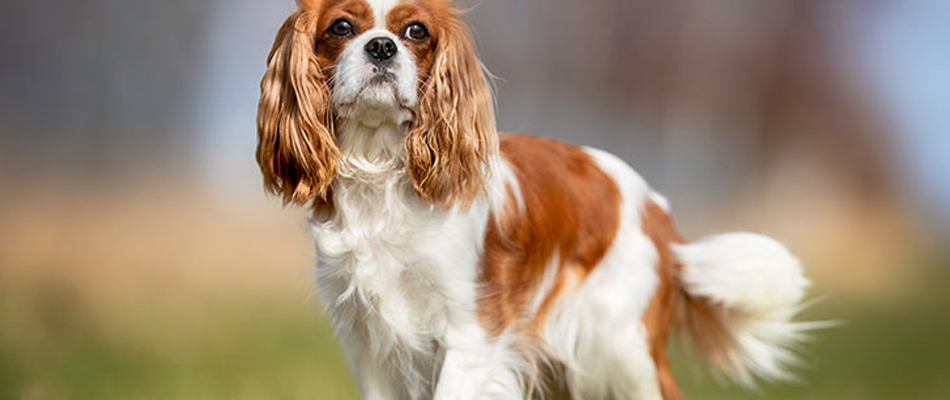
[[373, 376], [377, 384], [475, 368]]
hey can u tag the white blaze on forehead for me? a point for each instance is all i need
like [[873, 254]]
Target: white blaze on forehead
[[381, 9]]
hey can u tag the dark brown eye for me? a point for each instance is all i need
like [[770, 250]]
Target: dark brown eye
[[416, 31], [341, 28]]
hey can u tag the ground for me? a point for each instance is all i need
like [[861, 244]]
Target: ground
[[280, 347]]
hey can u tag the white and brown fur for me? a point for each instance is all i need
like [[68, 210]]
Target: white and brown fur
[[457, 263]]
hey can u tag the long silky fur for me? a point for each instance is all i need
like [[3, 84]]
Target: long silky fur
[[453, 135], [296, 151]]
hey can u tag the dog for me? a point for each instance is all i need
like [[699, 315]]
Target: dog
[[460, 264]]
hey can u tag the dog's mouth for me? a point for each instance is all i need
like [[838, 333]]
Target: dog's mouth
[[381, 77], [378, 99], [381, 89], [378, 95]]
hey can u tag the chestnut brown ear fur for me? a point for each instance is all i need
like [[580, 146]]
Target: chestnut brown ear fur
[[296, 152], [453, 133]]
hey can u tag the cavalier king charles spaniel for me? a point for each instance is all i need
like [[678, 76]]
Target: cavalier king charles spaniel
[[460, 264]]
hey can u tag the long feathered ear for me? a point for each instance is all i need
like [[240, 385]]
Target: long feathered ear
[[296, 151], [453, 133]]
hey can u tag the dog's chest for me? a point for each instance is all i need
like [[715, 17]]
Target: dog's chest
[[393, 270]]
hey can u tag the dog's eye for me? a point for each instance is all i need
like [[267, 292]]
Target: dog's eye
[[416, 31], [341, 28]]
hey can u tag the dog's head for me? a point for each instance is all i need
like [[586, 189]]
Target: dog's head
[[410, 64]]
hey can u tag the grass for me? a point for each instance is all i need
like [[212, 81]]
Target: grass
[[260, 350], [894, 351], [51, 347]]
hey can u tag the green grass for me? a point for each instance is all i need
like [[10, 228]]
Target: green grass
[[52, 346], [889, 352], [277, 351]]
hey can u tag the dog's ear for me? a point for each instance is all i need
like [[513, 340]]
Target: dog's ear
[[297, 152], [453, 133]]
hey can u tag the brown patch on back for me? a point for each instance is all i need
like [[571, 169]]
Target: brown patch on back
[[571, 215], [658, 318]]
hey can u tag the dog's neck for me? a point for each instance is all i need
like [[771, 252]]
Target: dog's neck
[[371, 149], [372, 177]]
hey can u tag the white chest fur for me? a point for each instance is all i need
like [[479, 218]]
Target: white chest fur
[[394, 271]]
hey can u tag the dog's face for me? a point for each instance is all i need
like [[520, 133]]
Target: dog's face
[[405, 63], [377, 58]]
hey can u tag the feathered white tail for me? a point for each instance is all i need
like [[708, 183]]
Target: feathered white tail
[[742, 291]]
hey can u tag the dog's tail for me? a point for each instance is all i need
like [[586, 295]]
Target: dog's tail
[[741, 292]]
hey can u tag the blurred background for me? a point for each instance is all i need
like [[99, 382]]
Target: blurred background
[[141, 259]]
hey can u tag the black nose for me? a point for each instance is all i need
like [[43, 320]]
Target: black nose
[[380, 49]]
